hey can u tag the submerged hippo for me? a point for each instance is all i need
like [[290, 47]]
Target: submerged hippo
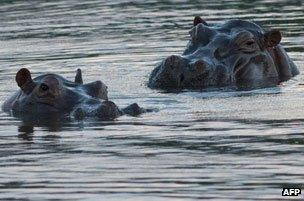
[[237, 53], [51, 95]]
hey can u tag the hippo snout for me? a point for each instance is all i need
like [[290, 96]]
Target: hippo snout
[[174, 62], [176, 67], [169, 73], [178, 72]]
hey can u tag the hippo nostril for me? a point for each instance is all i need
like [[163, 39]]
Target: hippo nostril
[[198, 66]]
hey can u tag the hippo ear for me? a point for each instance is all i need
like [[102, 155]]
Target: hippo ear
[[197, 20], [24, 80], [273, 38], [23, 77], [78, 77]]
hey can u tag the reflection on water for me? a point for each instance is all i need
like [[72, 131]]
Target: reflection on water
[[216, 144]]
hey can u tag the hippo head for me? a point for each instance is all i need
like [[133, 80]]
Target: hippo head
[[47, 95], [51, 93], [236, 53]]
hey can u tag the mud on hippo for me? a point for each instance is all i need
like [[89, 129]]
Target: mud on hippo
[[237, 53], [50, 95]]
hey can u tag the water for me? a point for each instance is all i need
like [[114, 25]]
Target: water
[[220, 145]]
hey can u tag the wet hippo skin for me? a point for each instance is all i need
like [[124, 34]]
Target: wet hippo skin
[[51, 95], [236, 53]]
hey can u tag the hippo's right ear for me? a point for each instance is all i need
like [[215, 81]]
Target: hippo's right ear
[[273, 37], [78, 77], [197, 20], [24, 80]]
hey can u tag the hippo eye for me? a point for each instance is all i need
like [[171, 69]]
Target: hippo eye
[[249, 43], [44, 87], [248, 46]]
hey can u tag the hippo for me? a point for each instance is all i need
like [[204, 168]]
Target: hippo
[[50, 95], [237, 54]]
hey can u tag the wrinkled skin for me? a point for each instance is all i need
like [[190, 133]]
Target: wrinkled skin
[[50, 96], [237, 53]]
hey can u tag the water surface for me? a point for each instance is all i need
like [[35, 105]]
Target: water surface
[[217, 145]]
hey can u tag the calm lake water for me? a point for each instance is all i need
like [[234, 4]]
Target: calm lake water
[[217, 145]]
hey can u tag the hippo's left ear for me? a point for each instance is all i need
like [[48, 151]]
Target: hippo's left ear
[[273, 38], [24, 80], [197, 20], [23, 76], [78, 77]]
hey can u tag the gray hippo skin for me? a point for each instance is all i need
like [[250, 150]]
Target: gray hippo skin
[[51, 95], [237, 53]]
